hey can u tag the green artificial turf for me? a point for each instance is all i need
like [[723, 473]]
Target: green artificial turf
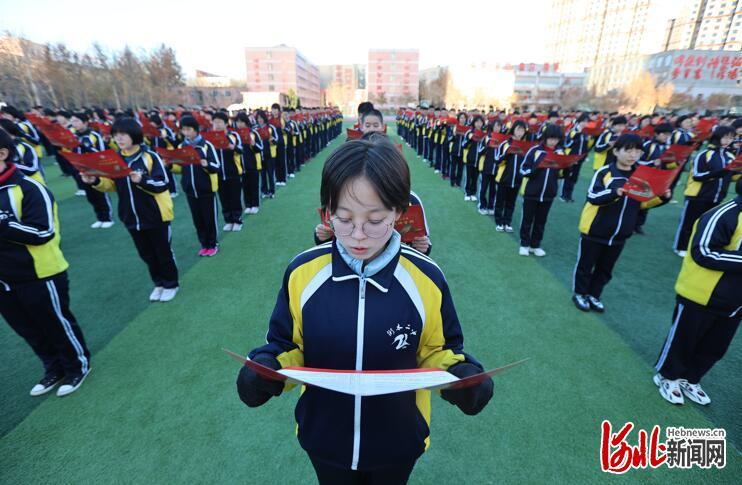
[[160, 404]]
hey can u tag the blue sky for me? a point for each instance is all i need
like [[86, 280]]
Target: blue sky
[[210, 35]]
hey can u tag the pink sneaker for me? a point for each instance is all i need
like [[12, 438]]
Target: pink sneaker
[[203, 252], [211, 252]]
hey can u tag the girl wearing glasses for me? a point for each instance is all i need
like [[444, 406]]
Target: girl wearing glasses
[[364, 302]]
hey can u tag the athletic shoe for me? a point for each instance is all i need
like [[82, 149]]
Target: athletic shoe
[[236, 227], [581, 302], [523, 251], [272, 196], [638, 230], [96, 225], [202, 252], [156, 293], [563, 199], [71, 384], [508, 228], [467, 198], [473, 198], [681, 253], [255, 210], [211, 252], [264, 196], [482, 211], [694, 392], [538, 252], [228, 227], [46, 384], [174, 195], [490, 212], [280, 184], [168, 294], [291, 175], [106, 224], [596, 304], [670, 390], [247, 210], [499, 228], [436, 171], [80, 193]]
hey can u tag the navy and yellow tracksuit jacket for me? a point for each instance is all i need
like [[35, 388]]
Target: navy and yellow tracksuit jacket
[[29, 231], [711, 274], [681, 137], [603, 151], [472, 149], [198, 181], [327, 316], [542, 184], [653, 150], [147, 204], [230, 160], [708, 181], [253, 155], [90, 142], [608, 218], [27, 161], [576, 143], [508, 166]]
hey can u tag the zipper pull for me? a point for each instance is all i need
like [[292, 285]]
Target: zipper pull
[[363, 288]]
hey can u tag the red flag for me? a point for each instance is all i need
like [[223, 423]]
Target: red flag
[[411, 224], [218, 139], [646, 182], [107, 163], [101, 128], [461, 129], [245, 135], [186, 155]]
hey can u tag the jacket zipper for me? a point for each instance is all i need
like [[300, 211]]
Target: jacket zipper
[[359, 366]]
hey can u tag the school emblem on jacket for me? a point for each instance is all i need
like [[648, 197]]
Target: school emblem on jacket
[[400, 335]]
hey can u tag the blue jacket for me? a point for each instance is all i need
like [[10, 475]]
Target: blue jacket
[[327, 316]]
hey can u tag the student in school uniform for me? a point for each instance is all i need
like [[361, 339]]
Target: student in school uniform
[[91, 142], [26, 159], [607, 221], [230, 174], [34, 287], [473, 150], [368, 279], [253, 163], [281, 163], [488, 171], [707, 184], [508, 178], [269, 154], [145, 206], [28, 130], [457, 152], [682, 135], [575, 143], [708, 307], [604, 144], [651, 152], [289, 139], [540, 189], [167, 140], [200, 183]]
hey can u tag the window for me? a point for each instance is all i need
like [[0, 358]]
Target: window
[[228, 93], [271, 87]]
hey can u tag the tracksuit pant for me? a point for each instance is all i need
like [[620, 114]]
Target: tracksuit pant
[[487, 190], [39, 312], [268, 176], [505, 204], [532, 224], [153, 246], [100, 201], [472, 176], [457, 170], [570, 180], [691, 212], [594, 267], [330, 475], [251, 187], [203, 212], [281, 163], [698, 339], [230, 191]]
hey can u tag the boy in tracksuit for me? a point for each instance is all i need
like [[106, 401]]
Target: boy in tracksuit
[[608, 220], [230, 174], [576, 143], [34, 289], [472, 151], [167, 140], [508, 178], [145, 206], [488, 170], [457, 153], [91, 142], [604, 144], [651, 152], [539, 192], [707, 184], [26, 158], [252, 160], [709, 304], [269, 153], [200, 183], [277, 123]]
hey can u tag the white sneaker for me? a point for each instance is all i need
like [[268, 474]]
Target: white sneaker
[[473, 198], [80, 193], [490, 212], [670, 390], [466, 198], [681, 253], [281, 184], [156, 293], [96, 225], [499, 228], [168, 294], [483, 211], [71, 384], [291, 175], [248, 210], [46, 384], [106, 225], [227, 227], [436, 171], [236, 227], [694, 392], [523, 251], [174, 195], [538, 252], [255, 210], [508, 228]]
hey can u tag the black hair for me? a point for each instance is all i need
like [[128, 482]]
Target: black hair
[[128, 125], [155, 118], [261, 114], [220, 115], [618, 120], [627, 141], [10, 127], [476, 118], [516, 124], [374, 136], [663, 128], [82, 116], [242, 116], [680, 119], [7, 142], [49, 112], [553, 114], [191, 122], [737, 123], [719, 133], [64, 113], [13, 111], [379, 161], [372, 112], [276, 106], [364, 107], [582, 118], [461, 113], [552, 131]]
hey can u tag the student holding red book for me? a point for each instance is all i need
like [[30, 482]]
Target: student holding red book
[[488, 170], [457, 151], [230, 173], [269, 137], [252, 150], [508, 178]]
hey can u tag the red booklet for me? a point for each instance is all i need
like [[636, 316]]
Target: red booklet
[[353, 134], [218, 139], [554, 160], [245, 135], [182, 156], [276, 122], [411, 224], [592, 131], [646, 132], [171, 124], [203, 121], [461, 129], [477, 135], [324, 216], [676, 154], [101, 128], [149, 128], [59, 136], [647, 182], [107, 163], [735, 165], [521, 147], [37, 120], [496, 139], [451, 120], [265, 133]]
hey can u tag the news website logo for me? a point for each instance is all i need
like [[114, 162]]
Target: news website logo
[[682, 448]]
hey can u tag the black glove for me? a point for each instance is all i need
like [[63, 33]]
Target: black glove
[[471, 400], [255, 390]]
